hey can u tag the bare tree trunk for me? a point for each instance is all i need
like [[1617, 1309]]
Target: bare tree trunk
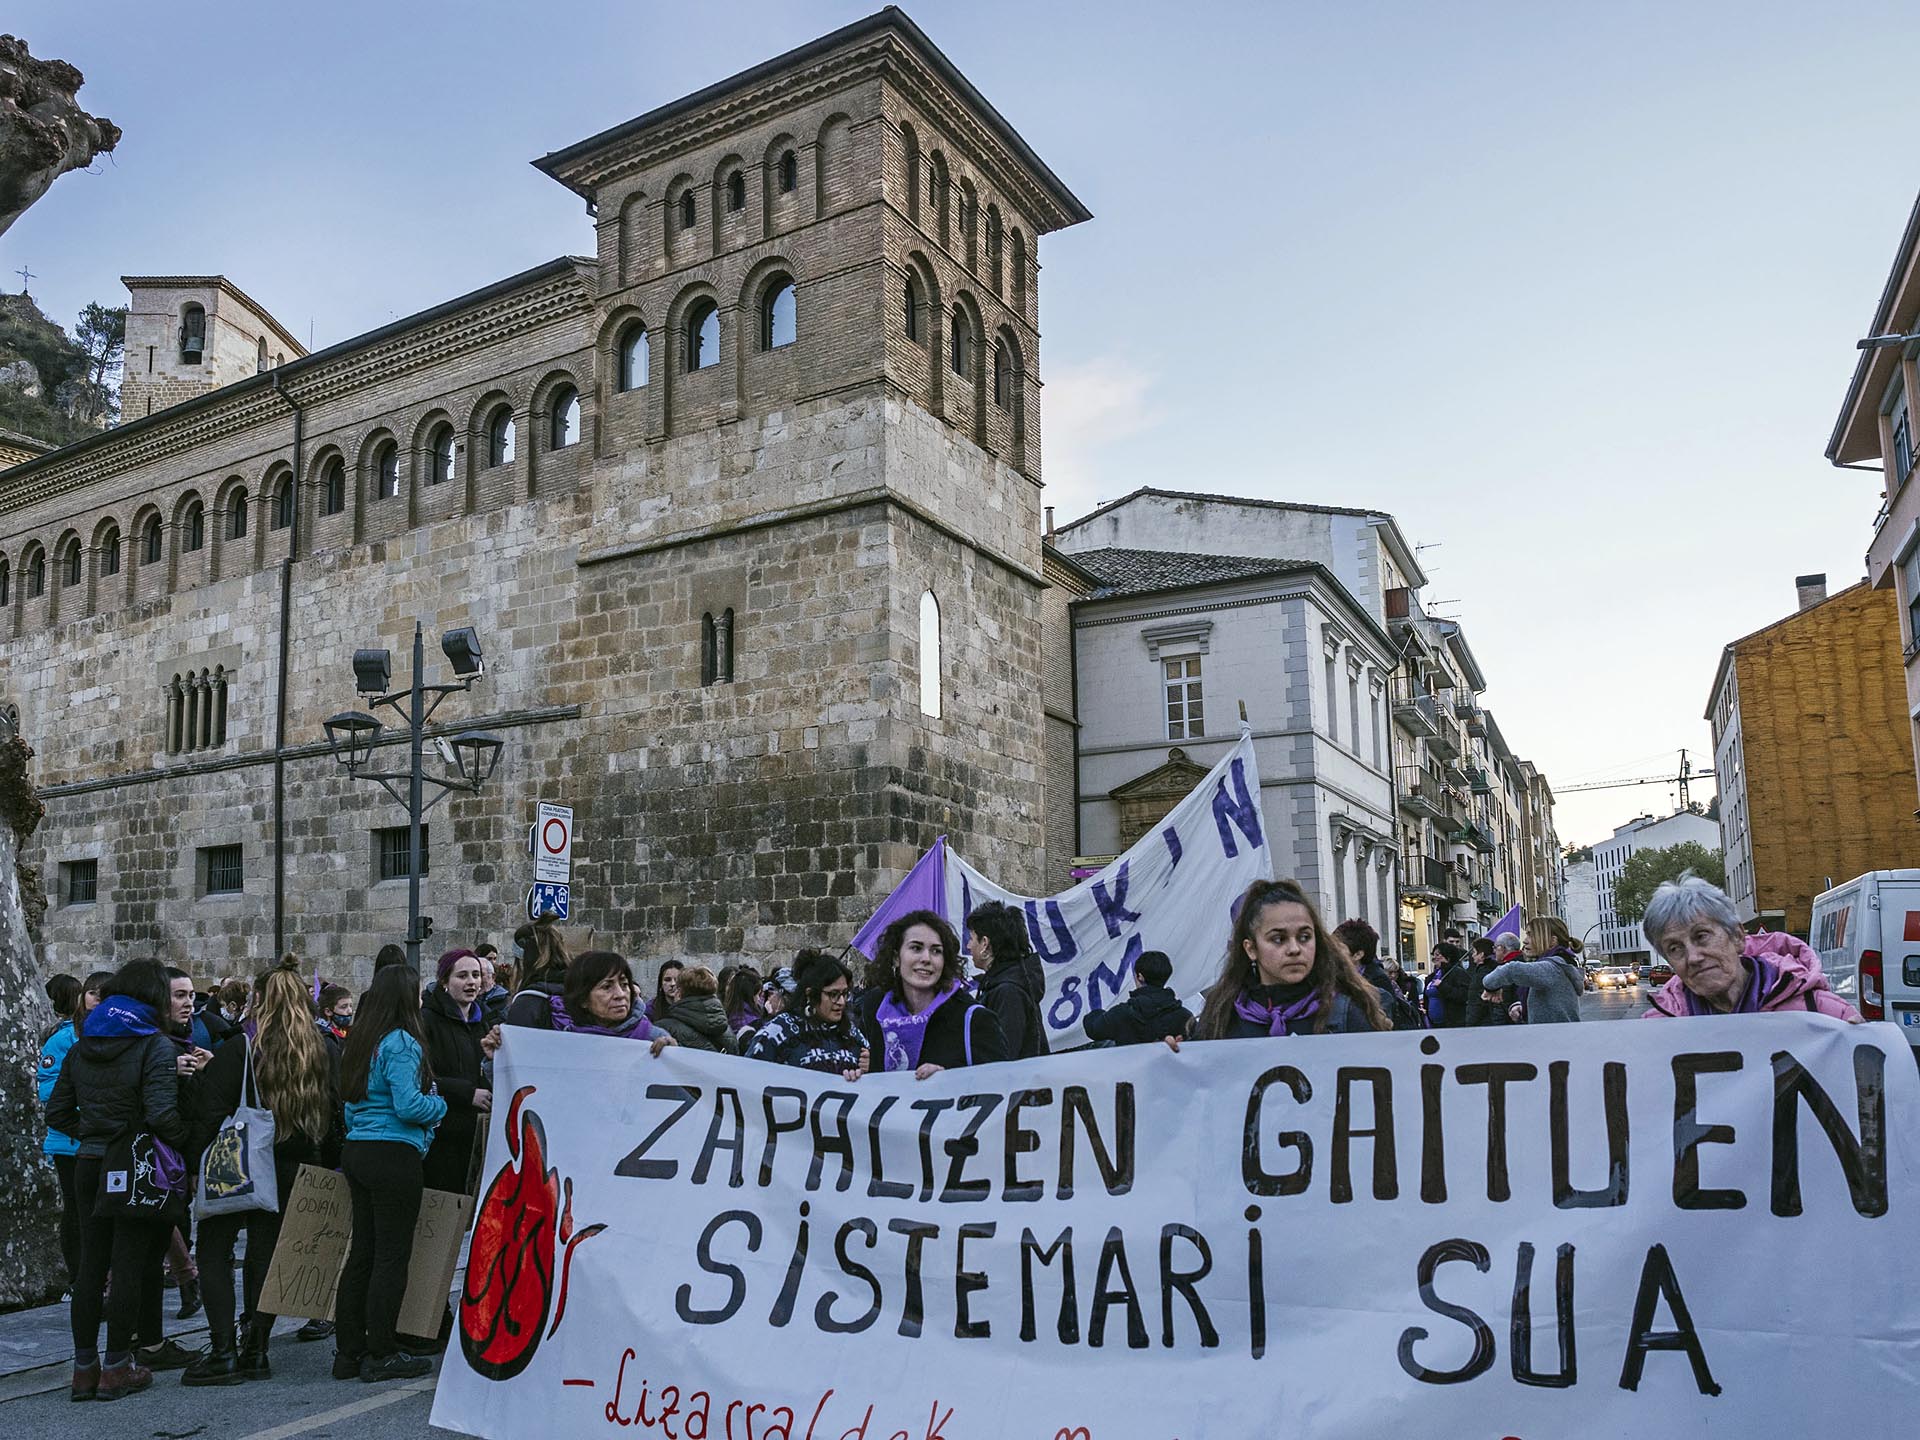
[[43, 131], [30, 1266]]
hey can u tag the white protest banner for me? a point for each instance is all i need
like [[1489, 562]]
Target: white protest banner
[[1173, 891], [1650, 1229]]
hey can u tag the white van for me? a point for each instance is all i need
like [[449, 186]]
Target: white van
[[1868, 934]]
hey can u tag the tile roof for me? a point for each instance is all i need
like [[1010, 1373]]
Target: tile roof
[[1138, 572]]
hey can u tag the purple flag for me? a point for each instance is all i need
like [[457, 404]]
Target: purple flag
[[1507, 923], [925, 888]]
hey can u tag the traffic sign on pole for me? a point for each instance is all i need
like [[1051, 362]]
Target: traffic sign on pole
[[553, 844], [549, 899]]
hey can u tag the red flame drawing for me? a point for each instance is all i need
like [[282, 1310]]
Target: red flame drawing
[[509, 1284]]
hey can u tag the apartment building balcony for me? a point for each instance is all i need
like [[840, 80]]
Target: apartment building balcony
[[1423, 878], [1417, 715], [1423, 795], [1478, 782], [1444, 743], [1477, 836], [1477, 724]]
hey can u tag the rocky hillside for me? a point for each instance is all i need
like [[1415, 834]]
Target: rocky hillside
[[52, 386]]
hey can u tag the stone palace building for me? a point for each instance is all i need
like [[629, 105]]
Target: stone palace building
[[744, 508]]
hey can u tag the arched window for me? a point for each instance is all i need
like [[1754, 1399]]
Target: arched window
[[636, 357], [689, 211], [6, 584], [736, 191], [109, 553], [193, 334], [929, 655], [150, 542], [500, 436], [386, 470], [1002, 374], [993, 246], [283, 505], [703, 335], [333, 487], [716, 648], [789, 173], [194, 522], [70, 565], [237, 516], [1019, 272], [916, 309], [778, 320], [440, 456], [260, 356], [565, 425], [960, 350], [37, 575]]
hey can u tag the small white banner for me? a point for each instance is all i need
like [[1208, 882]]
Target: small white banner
[[1658, 1229], [1173, 891]]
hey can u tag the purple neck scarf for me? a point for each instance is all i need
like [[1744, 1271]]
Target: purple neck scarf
[[1759, 981], [905, 1034], [634, 1027], [1279, 1020]]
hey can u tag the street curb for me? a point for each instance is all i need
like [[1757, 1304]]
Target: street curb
[[56, 1375]]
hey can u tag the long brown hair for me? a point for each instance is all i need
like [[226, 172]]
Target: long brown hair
[[291, 1071], [392, 1002], [953, 959], [546, 953], [1333, 969]]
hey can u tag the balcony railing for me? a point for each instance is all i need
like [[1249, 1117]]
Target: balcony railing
[[1444, 743], [1477, 724], [1477, 780], [1463, 706], [1476, 836], [1422, 794], [1417, 714], [1439, 875]]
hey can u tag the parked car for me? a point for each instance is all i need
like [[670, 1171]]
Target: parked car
[[1613, 977], [1868, 934]]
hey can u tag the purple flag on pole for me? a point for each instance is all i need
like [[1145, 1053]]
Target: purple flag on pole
[[1508, 923], [925, 888]]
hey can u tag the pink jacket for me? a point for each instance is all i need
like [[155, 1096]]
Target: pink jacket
[[1798, 982]]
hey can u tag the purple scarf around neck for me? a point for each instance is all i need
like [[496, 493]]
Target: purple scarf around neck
[[1759, 981], [634, 1027], [1278, 1020], [904, 1034]]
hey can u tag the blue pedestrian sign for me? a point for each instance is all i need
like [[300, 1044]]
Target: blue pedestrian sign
[[550, 898]]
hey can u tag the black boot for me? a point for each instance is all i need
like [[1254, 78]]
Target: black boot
[[253, 1349], [189, 1299], [218, 1365]]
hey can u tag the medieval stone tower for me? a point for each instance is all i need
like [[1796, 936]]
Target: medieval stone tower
[[744, 507], [188, 334]]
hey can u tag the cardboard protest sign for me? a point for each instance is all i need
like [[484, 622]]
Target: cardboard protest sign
[[316, 1232], [1649, 1229]]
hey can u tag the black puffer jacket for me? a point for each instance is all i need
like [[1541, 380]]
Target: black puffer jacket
[[532, 1007], [1013, 993], [109, 1083], [1150, 1013], [453, 1050], [960, 1026]]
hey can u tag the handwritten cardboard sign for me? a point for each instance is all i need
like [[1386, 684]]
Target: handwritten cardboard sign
[[317, 1232]]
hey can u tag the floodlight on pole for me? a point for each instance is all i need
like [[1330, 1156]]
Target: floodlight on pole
[[462, 649], [372, 671], [1885, 342]]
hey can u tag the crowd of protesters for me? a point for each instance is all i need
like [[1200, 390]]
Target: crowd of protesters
[[392, 1087]]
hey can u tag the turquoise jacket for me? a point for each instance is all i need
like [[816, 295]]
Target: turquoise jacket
[[53, 1054], [395, 1108]]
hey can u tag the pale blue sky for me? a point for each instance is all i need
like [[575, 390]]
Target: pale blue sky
[[1572, 290]]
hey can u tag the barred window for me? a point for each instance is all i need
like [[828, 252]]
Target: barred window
[[82, 881], [393, 853], [222, 870]]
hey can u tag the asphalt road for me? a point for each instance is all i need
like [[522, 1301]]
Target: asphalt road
[[301, 1399], [1629, 1002]]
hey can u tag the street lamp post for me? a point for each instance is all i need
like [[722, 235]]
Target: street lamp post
[[353, 735]]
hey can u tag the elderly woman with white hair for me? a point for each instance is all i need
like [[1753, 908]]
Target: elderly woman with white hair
[[1719, 969]]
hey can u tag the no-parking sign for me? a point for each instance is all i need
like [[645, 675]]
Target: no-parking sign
[[553, 844]]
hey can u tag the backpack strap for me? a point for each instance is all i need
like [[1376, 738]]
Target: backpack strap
[[966, 1032]]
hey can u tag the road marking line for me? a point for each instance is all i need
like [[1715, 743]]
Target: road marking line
[[344, 1412]]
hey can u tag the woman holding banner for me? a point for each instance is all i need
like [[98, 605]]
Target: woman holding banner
[[598, 1000], [1285, 974], [1719, 969], [815, 1033], [925, 1021], [287, 1068]]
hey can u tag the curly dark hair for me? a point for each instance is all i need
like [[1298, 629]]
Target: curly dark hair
[[954, 964], [1004, 928]]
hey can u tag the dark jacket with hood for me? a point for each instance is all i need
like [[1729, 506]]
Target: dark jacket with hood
[[1150, 1013], [1487, 1012], [960, 1028], [1013, 993], [118, 1075], [699, 1022], [453, 1050]]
